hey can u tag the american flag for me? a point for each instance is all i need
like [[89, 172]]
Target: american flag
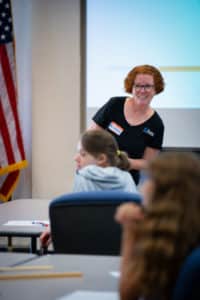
[[12, 156]]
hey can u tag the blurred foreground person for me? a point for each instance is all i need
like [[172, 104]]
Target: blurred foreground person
[[158, 237]]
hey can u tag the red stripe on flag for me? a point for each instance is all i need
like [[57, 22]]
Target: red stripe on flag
[[12, 155], [6, 137], [12, 96]]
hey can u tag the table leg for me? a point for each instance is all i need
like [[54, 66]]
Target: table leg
[[10, 246], [33, 244]]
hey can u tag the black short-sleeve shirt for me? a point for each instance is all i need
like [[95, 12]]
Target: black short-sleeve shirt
[[131, 139]]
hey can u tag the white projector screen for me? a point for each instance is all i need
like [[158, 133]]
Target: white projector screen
[[123, 34]]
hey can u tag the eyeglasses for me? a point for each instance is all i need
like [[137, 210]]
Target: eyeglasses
[[146, 87]]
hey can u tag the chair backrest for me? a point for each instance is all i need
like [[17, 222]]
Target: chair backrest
[[83, 223], [188, 283]]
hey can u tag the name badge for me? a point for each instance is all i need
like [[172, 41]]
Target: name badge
[[114, 127]]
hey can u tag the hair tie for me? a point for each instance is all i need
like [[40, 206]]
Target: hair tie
[[118, 152]]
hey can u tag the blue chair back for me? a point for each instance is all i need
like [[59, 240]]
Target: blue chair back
[[188, 283], [83, 223]]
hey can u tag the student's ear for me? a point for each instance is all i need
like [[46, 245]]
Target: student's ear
[[102, 160]]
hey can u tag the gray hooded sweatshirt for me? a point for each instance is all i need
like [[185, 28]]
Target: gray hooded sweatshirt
[[95, 178]]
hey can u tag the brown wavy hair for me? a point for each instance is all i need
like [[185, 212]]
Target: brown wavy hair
[[171, 228], [98, 142], [144, 69]]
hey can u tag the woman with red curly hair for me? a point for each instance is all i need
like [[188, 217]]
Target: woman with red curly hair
[[136, 126]]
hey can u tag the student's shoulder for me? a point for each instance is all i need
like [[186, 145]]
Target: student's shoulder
[[89, 170], [88, 167]]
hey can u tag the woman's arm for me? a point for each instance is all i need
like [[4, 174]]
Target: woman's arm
[[128, 215], [128, 287], [136, 164], [140, 164]]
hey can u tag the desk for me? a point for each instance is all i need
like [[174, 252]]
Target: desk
[[96, 277], [10, 259], [24, 209]]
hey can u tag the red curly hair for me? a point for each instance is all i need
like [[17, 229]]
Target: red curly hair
[[144, 69]]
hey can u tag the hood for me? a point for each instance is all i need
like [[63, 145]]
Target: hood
[[108, 177]]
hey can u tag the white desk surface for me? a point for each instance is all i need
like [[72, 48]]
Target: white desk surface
[[23, 209], [96, 277]]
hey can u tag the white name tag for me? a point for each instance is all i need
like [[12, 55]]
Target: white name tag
[[114, 127]]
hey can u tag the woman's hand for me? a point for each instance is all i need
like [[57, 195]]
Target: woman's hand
[[129, 213]]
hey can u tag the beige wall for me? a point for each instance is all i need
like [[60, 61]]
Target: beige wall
[[55, 95]]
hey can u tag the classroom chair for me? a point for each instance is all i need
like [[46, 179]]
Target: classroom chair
[[83, 223]]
